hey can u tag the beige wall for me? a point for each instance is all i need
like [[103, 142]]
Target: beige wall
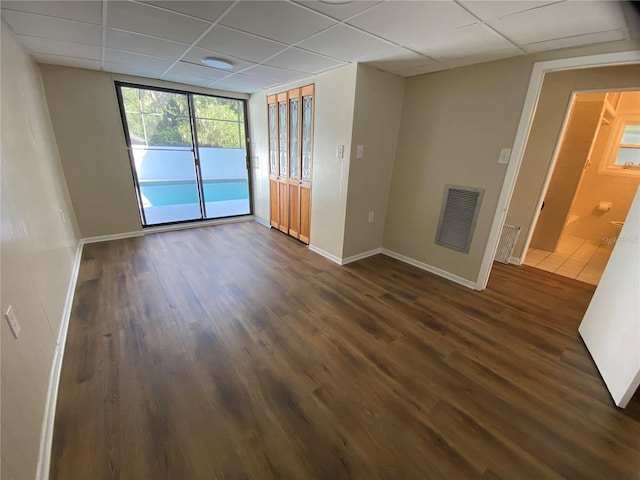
[[552, 106], [454, 124], [376, 122], [333, 120], [38, 252], [572, 157], [86, 120]]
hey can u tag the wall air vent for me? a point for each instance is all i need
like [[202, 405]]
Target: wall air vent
[[507, 243], [458, 217]]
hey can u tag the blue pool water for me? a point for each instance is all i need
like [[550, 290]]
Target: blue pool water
[[160, 194]]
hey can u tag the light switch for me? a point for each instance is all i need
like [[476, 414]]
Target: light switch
[[371, 216], [360, 151], [503, 158], [340, 151], [13, 321]]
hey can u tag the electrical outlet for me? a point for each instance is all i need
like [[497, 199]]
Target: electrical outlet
[[360, 151], [13, 321], [64, 220], [371, 216]]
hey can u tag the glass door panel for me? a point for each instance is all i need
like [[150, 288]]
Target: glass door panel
[[222, 154], [307, 136], [273, 139], [294, 150], [282, 129], [161, 146]]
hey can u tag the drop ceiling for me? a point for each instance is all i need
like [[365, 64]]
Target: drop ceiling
[[273, 42]]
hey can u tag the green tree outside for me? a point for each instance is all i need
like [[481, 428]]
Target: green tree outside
[[157, 118]]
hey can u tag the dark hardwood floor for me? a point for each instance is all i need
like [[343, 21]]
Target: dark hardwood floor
[[234, 352]]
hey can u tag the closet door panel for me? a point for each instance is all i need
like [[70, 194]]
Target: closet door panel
[[305, 214]]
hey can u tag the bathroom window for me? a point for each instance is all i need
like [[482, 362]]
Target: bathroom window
[[624, 151], [629, 148]]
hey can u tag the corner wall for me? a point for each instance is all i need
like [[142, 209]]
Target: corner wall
[[376, 123], [37, 256]]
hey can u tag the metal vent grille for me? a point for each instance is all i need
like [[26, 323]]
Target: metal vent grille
[[458, 217], [507, 243]]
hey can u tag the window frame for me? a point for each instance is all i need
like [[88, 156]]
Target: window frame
[[607, 165]]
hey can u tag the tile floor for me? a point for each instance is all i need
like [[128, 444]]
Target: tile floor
[[574, 257]]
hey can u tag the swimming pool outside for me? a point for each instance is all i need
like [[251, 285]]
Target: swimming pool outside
[[168, 201], [181, 192]]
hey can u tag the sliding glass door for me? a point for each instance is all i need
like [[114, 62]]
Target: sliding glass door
[[188, 154]]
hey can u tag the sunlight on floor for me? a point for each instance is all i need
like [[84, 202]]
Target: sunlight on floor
[[574, 257]]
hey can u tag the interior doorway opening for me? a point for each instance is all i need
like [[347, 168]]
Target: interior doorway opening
[[594, 179]]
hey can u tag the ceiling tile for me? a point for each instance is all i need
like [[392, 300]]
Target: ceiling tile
[[230, 87], [296, 59], [143, 44], [411, 22], [395, 58], [199, 71], [209, 11], [587, 39], [343, 42], [57, 47], [240, 45], [136, 60], [140, 18], [131, 70], [341, 11], [410, 72], [464, 42], [487, 10], [277, 74], [67, 61], [34, 25], [484, 57], [187, 80], [249, 81], [277, 20], [82, 11], [560, 20], [195, 55]]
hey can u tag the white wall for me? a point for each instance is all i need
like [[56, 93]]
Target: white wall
[[37, 256], [611, 326], [259, 151]]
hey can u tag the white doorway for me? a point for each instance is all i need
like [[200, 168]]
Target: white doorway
[[590, 187]]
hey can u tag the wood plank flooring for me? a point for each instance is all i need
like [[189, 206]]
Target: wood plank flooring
[[233, 352]]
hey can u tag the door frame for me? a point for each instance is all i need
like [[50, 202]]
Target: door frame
[[540, 69], [118, 84]]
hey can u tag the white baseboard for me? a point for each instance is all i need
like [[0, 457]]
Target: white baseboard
[[46, 434], [360, 256], [262, 222], [325, 254], [430, 268], [115, 236], [515, 260]]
